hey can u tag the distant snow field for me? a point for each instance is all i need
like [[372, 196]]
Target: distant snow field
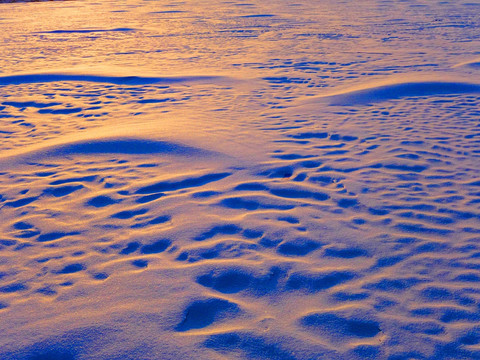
[[239, 180]]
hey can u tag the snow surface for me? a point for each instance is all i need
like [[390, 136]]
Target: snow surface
[[240, 179]]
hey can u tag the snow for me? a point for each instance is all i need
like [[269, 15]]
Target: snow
[[239, 180]]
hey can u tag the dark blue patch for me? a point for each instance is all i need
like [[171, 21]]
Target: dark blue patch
[[45, 173], [269, 243], [393, 285], [430, 247], [298, 247], [154, 101], [21, 225], [26, 234], [71, 268], [348, 253], [427, 328], [283, 172], [46, 290], [289, 219], [424, 311], [148, 198], [128, 214], [471, 277], [62, 190], [454, 315], [254, 347], [101, 201], [227, 282], [26, 104], [87, 31], [100, 276], [201, 313], [359, 221], [346, 202], [205, 194], [160, 220], [291, 156], [300, 177], [21, 202], [291, 193], [322, 179], [310, 135], [182, 184], [60, 111], [11, 288], [285, 80], [378, 212], [78, 179], [231, 281], [227, 229], [258, 16], [247, 204], [251, 187], [388, 261], [419, 228], [434, 293], [55, 236], [344, 296], [341, 326], [252, 234], [182, 256], [471, 338], [53, 354], [6, 242], [403, 167], [367, 351], [314, 282], [310, 164], [156, 247], [130, 248], [71, 345], [140, 263]]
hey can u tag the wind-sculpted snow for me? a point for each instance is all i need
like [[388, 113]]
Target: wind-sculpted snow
[[375, 94], [320, 201], [117, 80], [105, 146], [474, 64]]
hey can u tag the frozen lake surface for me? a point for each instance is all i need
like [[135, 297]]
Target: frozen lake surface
[[240, 180]]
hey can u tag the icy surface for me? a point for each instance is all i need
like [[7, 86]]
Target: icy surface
[[240, 180]]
